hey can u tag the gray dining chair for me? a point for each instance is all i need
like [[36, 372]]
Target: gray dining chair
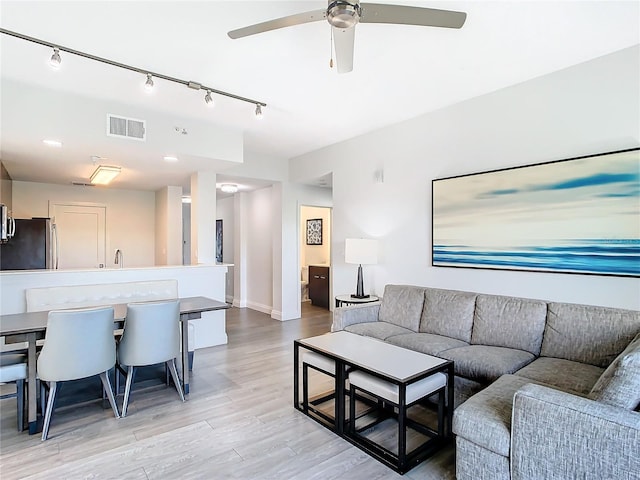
[[78, 344], [13, 368], [151, 336]]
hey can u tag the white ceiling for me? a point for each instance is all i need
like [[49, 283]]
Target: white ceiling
[[399, 72]]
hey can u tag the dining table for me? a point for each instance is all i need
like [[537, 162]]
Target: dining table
[[30, 327]]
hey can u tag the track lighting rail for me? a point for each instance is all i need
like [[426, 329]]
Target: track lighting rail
[[187, 83]]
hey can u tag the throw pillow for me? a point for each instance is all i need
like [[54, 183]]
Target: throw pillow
[[619, 384]]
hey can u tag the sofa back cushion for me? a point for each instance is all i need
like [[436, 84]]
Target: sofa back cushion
[[619, 384], [588, 334], [509, 322], [448, 313], [402, 306]]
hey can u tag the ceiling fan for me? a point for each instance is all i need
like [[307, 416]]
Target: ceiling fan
[[343, 16]]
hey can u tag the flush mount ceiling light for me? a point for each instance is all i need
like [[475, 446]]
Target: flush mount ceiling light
[[148, 85], [188, 83], [229, 188], [52, 143], [186, 199], [170, 158], [104, 174], [55, 58]]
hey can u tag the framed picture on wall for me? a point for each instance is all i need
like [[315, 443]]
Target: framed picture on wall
[[219, 241], [579, 215], [314, 231]]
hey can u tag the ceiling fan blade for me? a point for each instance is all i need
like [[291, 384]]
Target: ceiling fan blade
[[428, 17], [289, 21], [343, 40]]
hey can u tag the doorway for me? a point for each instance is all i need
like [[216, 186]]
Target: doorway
[[81, 231], [315, 256]]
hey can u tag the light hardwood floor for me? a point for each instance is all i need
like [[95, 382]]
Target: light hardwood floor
[[239, 422]]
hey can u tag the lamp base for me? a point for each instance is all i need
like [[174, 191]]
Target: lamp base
[[355, 295]]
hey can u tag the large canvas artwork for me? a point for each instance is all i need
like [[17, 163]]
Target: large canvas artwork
[[580, 215]]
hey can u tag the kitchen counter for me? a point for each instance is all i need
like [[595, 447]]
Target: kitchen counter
[[193, 281]]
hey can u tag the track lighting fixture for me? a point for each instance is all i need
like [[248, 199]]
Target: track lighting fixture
[[208, 99], [148, 85], [55, 58]]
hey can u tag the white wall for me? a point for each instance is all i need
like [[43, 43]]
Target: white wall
[[582, 110], [169, 226], [130, 215], [315, 254], [259, 250], [225, 212]]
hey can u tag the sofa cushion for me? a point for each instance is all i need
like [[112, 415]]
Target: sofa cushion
[[448, 313], [379, 330], [402, 306], [619, 385], [509, 322], [485, 419], [425, 342], [566, 375], [484, 363], [588, 334]]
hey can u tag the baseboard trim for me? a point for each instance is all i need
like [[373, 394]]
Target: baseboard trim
[[260, 307]]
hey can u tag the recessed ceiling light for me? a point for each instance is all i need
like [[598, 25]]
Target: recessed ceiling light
[[52, 143], [170, 158], [229, 188]]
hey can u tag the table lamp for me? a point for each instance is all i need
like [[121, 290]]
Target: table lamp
[[360, 251]]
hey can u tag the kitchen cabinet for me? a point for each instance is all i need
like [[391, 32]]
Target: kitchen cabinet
[[319, 286]]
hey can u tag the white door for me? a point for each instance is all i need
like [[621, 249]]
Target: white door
[[81, 235]]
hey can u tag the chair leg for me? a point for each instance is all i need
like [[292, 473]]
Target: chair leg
[[20, 401], [49, 409], [106, 384], [127, 390], [174, 374]]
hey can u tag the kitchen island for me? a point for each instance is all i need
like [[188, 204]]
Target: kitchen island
[[193, 280]]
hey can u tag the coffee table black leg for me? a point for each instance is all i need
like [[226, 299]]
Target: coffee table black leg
[[339, 401], [296, 393], [450, 400]]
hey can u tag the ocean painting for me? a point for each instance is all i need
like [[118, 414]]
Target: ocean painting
[[579, 215]]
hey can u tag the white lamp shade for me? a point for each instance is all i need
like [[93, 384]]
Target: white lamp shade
[[361, 251]]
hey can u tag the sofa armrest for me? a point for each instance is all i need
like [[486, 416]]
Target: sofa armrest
[[350, 315], [556, 435]]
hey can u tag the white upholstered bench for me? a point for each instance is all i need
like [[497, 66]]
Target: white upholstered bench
[[388, 392]]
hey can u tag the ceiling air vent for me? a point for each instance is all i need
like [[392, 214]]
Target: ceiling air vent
[[126, 127]]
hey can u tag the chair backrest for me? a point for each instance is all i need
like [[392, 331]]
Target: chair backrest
[[151, 333], [78, 344]]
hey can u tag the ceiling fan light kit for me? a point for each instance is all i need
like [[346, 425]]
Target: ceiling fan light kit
[[343, 16]]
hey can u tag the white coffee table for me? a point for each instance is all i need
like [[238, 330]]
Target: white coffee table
[[390, 363]]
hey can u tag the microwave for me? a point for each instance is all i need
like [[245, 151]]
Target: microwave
[[7, 224]]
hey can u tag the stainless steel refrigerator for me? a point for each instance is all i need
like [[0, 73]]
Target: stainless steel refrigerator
[[33, 246]]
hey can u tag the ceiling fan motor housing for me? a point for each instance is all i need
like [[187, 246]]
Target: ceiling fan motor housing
[[343, 14]]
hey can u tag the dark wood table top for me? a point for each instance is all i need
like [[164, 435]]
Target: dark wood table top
[[27, 322]]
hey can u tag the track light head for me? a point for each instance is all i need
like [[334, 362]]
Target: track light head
[[258, 111], [148, 85], [55, 58], [208, 99]]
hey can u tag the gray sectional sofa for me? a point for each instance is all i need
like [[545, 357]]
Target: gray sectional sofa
[[543, 390]]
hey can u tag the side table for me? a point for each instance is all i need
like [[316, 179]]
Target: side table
[[342, 300]]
